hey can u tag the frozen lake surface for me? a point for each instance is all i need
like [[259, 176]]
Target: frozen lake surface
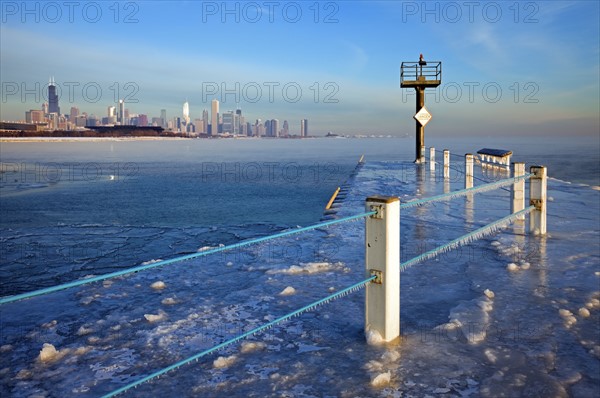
[[511, 314]]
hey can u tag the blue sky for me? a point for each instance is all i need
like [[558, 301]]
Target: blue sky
[[508, 67]]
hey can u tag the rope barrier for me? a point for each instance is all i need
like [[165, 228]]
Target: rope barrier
[[451, 153], [463, 192], [466, 239], [256, 330], [52, 289]]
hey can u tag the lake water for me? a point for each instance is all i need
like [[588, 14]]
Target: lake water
[[74, 209]]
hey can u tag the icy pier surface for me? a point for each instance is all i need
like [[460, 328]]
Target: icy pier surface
[[508, 315]]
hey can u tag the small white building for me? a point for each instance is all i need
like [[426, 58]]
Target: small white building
[[494, 157]]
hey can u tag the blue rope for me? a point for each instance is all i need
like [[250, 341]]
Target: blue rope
[[22, 296], [463, 192], [258, 329], [468, 238]]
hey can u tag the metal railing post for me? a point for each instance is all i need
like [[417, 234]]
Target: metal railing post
[[446, 163], [382, 259], [518, 190], [432, 159], [468, 170], [538, 198]]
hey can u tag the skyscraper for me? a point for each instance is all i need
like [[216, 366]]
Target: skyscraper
[[52, 98], [239, 121], [163, 116], [214, 120], [274, 127], [186, 117], [121, 114], [304, 128], [74, 113], [286, 128], [228, 122], [205, 121]]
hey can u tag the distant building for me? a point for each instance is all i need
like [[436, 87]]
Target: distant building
[[286, 128], [21, 126], [80, 121], [214, 120], [157, 122], [186, 112], [111, 111], [228, 122], [74, 113], [205, 121], [142, 120], [304, 128], [92, 121], [35, 116], [52, 98], [163, 116], [45, 108], [53, 120], [274, 128], [121, 112], [238, 121]]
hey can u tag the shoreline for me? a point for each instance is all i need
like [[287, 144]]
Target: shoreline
[[88, 139]]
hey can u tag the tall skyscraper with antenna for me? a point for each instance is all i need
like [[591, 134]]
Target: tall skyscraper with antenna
[[52, 98]]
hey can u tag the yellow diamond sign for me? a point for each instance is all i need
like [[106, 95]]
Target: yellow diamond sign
[[423, 116]]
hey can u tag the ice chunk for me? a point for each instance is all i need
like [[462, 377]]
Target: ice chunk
[[593, 303], [309, 268], [158, 285], [224, 362], [381, 380], [512, 267], [473, 313], [373, 337], [491, 355], [82, 331], [489, 294], [48, 353], [250, 346], [156, 318], [288, 291], [24, 374], [169, 301], [151, 261], [390, 356], [565, 313], [584, 312]]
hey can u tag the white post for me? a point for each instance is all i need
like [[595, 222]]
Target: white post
[[432, 159], [468, 170], [518, 190], [446, 163], [537, 198], [382, 259]]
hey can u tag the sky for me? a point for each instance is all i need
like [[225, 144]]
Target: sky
[[529, 67]]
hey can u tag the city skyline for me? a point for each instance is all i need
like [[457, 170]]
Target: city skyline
[[508, 68], [227, 123]]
